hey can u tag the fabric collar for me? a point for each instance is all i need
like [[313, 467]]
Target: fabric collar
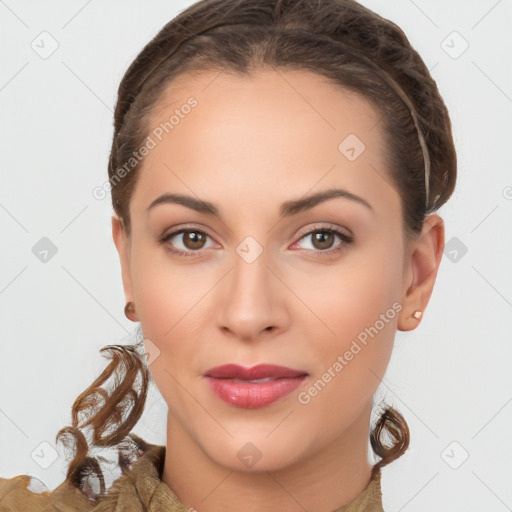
[[143, 489]]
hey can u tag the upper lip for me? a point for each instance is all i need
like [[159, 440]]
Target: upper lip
[[260, 371]]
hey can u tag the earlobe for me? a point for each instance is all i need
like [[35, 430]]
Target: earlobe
[[424, 259], [123, 248]]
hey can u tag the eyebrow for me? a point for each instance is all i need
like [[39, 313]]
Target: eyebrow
[[288, 208]]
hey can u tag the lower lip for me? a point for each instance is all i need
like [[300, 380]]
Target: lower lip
[[253, 395]]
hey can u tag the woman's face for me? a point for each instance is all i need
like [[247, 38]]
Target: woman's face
[[263, 280]]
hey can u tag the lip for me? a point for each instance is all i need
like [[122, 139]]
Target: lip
[[232, 383], [260, 371]]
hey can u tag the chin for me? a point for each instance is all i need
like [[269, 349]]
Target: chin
[[253, 452]]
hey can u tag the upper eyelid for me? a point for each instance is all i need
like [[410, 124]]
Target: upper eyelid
[[327, 226], [316, 227]]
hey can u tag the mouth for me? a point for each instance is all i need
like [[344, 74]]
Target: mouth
[[255, 387]]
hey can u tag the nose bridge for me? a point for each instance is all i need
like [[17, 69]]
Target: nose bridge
[[251, 301], [250, 268]]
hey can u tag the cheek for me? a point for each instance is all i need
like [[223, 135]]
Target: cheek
[[166, 293], [359, 308], [168, 304], [170, 314], [350, 365], [351, 296]]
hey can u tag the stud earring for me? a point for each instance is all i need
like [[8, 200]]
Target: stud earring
[[417, 314], [129, 310]]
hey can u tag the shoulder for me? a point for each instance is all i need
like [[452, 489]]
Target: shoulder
[[27, 494], [139, 488], [136, 490]]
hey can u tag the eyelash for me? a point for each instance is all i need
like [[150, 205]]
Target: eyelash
[[346, 239]]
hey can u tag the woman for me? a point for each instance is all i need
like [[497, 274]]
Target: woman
[[274, 172]]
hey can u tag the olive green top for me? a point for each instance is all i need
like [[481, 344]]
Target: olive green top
[[140, 489]]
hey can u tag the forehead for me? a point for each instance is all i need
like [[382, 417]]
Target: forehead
[[276, 131], [298, 98]]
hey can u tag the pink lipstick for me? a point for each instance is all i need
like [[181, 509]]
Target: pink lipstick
[[254, 387]]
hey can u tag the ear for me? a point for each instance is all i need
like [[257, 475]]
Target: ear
[[424, 257], [122, 243]]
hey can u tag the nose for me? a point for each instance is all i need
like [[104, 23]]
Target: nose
[[252, 302]]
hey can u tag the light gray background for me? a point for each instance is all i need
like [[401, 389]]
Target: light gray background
[[450, 377]]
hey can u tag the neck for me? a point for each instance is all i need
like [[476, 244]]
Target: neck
[[325, 480]]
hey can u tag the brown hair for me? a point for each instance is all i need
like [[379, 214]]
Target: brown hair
[[338, 39]]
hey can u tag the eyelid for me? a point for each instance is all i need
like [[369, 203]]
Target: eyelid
[[324, 226], [175, 230]]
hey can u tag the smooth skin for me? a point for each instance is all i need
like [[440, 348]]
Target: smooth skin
[[251, 144]]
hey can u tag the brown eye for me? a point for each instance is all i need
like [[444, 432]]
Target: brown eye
[[193, 239], [186, 242], [322, 239]]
